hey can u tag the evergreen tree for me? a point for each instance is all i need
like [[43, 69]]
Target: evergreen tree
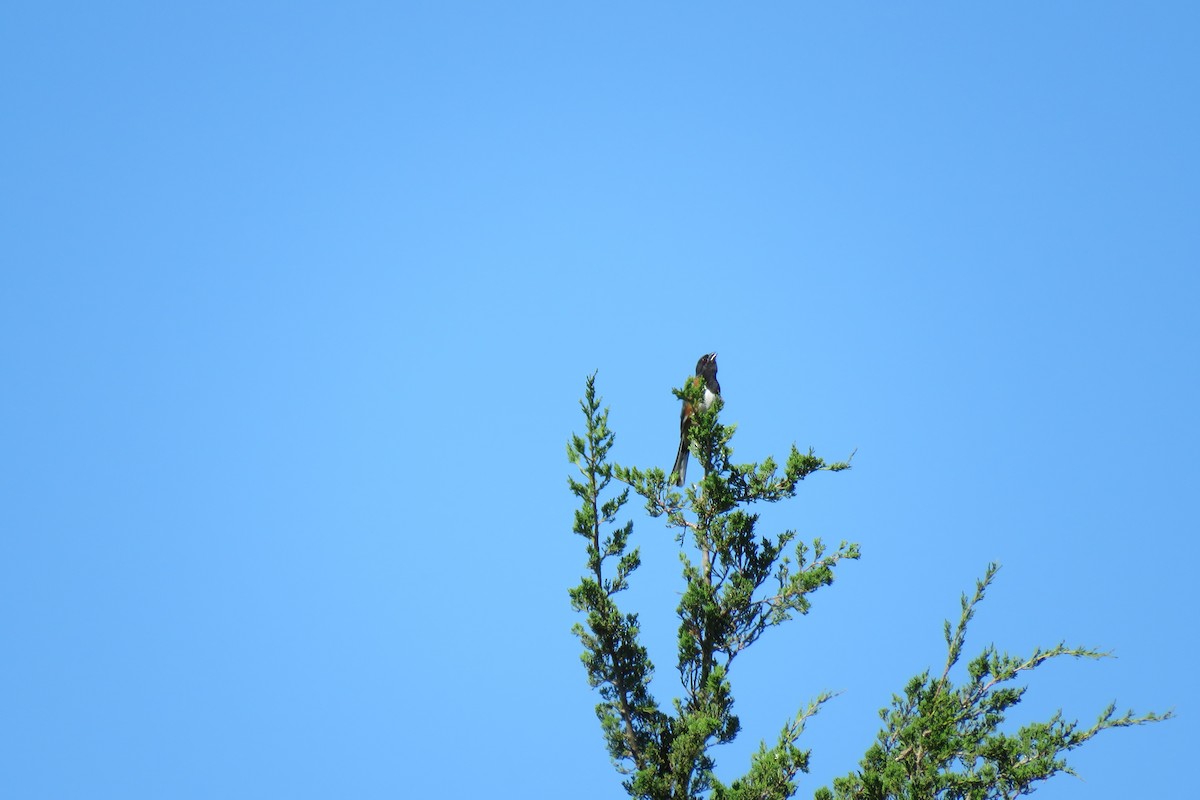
[[944, 741], [939, 740]]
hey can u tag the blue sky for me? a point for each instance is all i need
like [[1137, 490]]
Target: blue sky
[[298, 301]]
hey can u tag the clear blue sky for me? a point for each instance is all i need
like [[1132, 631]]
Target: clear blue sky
[[297, 302]]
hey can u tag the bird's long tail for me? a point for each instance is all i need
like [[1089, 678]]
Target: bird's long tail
[[681, 459]]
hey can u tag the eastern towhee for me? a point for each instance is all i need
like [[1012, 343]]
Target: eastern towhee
[[706, 371]]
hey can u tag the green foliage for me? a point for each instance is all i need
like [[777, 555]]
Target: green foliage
[[944, 741], [737, 585], [939, 741], [616, 663]]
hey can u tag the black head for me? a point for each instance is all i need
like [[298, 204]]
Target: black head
[[707, 365]]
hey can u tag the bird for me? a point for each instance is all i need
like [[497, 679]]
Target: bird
[[706, 372]]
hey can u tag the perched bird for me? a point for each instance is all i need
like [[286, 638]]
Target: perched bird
[[706, 372]]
